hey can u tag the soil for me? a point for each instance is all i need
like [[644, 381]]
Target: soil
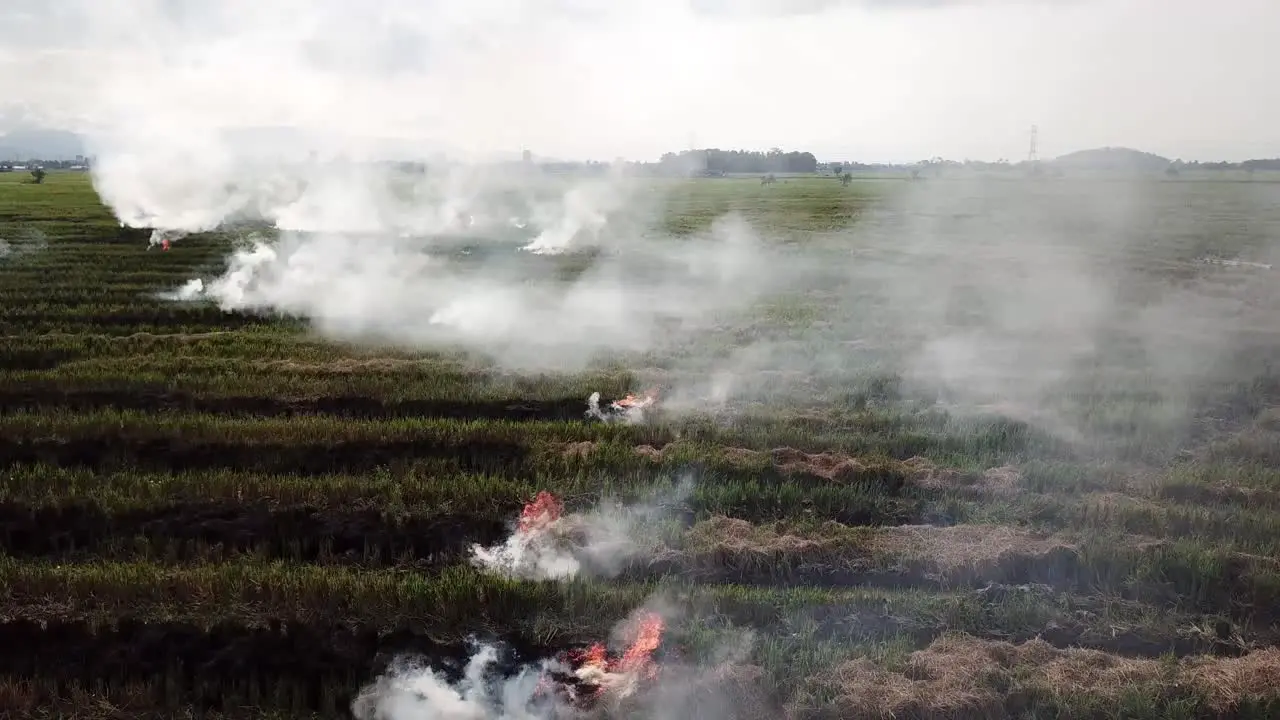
[[356, 407], [815, 468], [178, 317], [36, 359], [104, 453], [300, 533], [1059, 570], [322, 667]]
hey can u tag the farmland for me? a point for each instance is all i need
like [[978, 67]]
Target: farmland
[[221, 514]]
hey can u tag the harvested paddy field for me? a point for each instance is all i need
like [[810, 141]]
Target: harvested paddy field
[[979, 449]]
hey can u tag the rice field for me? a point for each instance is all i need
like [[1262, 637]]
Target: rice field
[[219, 514]]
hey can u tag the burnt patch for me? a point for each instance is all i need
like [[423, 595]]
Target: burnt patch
[[1060, 570], [351, 406], [1063, 632], [171, 316], [37, 358], [178, 455], [228, 666], [198, 530]]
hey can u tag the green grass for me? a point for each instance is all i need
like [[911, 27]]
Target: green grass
[[255, 519]]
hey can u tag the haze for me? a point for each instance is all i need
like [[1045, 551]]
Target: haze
[[872, 81]]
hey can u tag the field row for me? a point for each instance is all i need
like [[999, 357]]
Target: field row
[[107, 439], [275, 626], [1190, 572], [454, 401], [1226, 501], [980, 441], [458, 601], [314, 674]]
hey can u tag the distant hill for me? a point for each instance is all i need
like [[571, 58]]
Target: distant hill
[[1110, 158], [41, 145]]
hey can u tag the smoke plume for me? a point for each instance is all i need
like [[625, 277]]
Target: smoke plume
[[22, 243], [623, 675], [1083, 307], [413, 691], [548, 544], [368, 160]]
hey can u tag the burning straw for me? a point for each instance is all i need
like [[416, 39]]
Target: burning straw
[[574, 684], [547, 543], [592, 675], [629, 409], [542, 546]]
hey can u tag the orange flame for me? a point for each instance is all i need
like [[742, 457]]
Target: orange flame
[[597, 668], [543, 510], [595, 657], [639, 655], [164, 244], [631, 400], [595, 674]]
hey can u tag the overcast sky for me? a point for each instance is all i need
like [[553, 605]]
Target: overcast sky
[[873, 80]]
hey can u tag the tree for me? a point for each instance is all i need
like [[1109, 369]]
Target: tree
[[836, 168], [38, 174], [845, 179]]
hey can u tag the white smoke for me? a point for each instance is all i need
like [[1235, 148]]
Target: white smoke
[[22, 243], [413, 691], [208, 115], [581, 216], [384, 287], [633, 414], [546, 553], [192, 290], [600, 541]]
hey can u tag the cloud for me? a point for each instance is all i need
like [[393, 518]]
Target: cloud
[[873, 80]]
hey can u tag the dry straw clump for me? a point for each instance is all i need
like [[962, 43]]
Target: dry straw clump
[[720, 543], [958, 553], [735, 535], [922, 472], [833, 466], [959, 676], [968, 551]]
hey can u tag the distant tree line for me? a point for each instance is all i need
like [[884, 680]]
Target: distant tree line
[[715, 161], [9, 165], [1250, 165]]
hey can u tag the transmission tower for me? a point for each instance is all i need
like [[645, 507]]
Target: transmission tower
[[1033, 156]]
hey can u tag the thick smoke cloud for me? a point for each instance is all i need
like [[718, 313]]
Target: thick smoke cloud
[[207, 115], [1102, 312], [411, 690], [721, 686], [911, 80], [599, 542]]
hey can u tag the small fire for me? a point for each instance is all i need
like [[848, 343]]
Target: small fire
[[543, 510], [164, 244], [629, 408], [542, 546], [632, 402], [595, 675]]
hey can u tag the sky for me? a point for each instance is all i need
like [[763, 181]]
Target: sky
[[869, 80]]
